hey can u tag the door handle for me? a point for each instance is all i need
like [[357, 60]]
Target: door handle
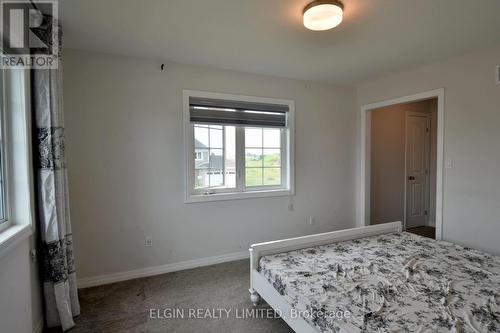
[[411, 178]]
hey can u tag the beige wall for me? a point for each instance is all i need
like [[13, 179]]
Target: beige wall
[[387, 188], [471, 138], [125, 164]]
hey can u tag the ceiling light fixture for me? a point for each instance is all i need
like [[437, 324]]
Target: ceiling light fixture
[[322, 15]]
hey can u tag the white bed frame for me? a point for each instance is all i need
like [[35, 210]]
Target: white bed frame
[[260, 287]]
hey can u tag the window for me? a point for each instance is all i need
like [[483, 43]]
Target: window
[[198, 155], [3, 215], [237, 146], [15, 165], [263, 155]]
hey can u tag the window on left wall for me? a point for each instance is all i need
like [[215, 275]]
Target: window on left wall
[[16, 194], [3, 191]]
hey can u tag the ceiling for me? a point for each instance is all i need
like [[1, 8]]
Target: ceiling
[[376, 38]]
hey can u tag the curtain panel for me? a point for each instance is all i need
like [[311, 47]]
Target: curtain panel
[[53, 215]]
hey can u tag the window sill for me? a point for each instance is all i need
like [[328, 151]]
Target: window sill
[[237, 196], [12, 236]]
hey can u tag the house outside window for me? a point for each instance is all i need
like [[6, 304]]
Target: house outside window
[[237, 146]]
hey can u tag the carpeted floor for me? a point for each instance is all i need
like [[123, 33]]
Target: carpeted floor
[[125, 306]]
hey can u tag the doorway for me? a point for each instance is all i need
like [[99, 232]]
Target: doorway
[[402, 177], [401, 162]]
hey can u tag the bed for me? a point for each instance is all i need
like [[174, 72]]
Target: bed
[[377, 279]]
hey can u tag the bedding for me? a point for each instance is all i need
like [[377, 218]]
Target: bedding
[[387, 283]]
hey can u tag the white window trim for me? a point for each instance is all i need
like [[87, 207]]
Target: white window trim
[[4, 222], [229, 194], [18, 167]]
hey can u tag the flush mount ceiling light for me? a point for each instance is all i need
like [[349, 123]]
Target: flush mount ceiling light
[[323, 14]]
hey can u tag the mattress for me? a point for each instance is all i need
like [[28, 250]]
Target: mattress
[[387, 283]]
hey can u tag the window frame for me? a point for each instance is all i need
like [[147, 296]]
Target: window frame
[[240, 191], [203, 192], [4, 186], [18, 164], [283, 156]]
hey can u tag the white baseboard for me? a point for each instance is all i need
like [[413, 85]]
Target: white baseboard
[[162, 269], [39, 326]]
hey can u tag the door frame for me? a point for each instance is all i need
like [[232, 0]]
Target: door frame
[[363, 209]]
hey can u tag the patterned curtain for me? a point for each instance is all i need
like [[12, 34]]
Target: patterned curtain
[[54, 225]]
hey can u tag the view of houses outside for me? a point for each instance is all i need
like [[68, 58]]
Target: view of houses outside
[[215, 156]]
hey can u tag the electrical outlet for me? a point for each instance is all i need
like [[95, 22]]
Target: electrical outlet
[[312, 220], [148, 241]]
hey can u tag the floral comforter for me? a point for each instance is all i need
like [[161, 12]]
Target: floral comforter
[[389, 283]]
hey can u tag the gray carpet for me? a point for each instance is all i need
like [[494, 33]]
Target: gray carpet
[[125, 306]]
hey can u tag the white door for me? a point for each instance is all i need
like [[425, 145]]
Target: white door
[[417, 168]]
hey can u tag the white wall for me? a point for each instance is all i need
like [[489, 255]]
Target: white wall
[[472, 135], [20, 287], [20, 299], [124, 151], [387, 148]]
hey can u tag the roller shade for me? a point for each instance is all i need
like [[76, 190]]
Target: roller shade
[[226, 112]]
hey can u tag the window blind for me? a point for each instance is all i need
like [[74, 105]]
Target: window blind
[[227, 112]]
